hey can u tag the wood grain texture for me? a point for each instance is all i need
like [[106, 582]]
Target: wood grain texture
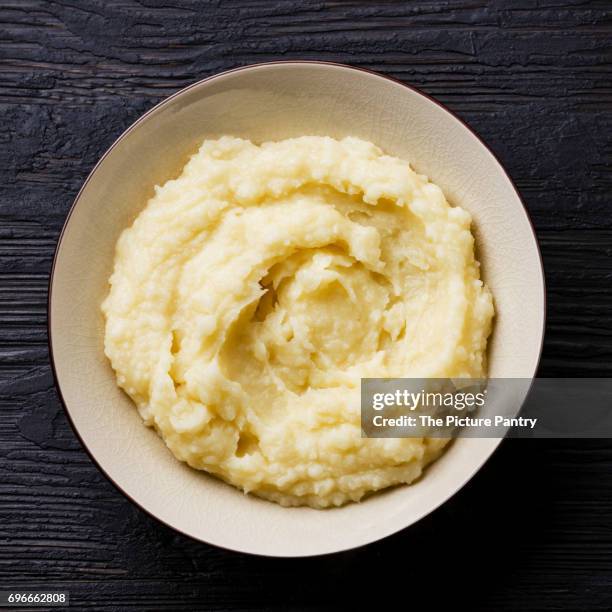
[[533, 530]]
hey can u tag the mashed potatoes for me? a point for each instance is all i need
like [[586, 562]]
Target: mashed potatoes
[[253, 293]]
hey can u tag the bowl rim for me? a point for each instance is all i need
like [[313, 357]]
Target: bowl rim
[[132, 127]]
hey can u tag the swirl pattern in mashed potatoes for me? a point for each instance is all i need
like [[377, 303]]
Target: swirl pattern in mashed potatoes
[[253, 293]]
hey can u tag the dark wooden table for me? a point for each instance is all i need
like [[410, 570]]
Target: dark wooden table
[[533, 530]]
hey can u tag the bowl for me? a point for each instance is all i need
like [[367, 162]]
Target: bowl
[[271, 102]]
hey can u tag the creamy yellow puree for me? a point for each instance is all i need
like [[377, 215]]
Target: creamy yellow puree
[[253, 293]]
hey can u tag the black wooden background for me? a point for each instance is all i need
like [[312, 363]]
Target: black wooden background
[[533, 530]]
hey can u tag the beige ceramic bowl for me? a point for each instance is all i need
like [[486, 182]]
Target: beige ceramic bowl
[[271, 102]]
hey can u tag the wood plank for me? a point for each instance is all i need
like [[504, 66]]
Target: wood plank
[[532, 529]]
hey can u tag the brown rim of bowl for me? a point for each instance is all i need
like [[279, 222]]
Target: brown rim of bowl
[[136, 124]]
